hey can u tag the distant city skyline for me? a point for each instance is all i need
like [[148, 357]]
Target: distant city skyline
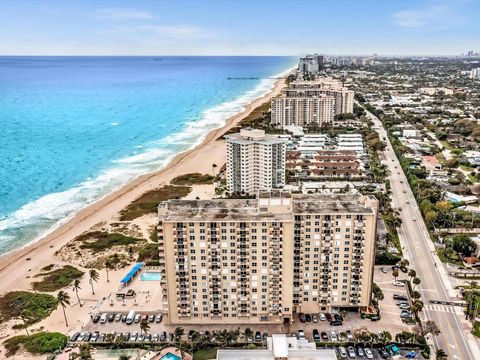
[[243, 27]]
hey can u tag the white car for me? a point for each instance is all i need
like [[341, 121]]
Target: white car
[[414, 218], [368, 353], [398, 283], [343, 352], [322, 317], [333, 336]]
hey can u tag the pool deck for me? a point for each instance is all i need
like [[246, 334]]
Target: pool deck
[[174, 351]]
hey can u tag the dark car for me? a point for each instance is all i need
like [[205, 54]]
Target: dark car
[[316, 335], [395, 267], [374, 318], [324, 335], [74, 337], [124, 317], [111, 317], [403, 269], [336, 323], [190, 334], [383, 353], [96, 319], [329, 317], [163, 336], [308, 318], [87, 336], [399, 297], [264, 336], [303, 318], [337, 317], [258, 336]]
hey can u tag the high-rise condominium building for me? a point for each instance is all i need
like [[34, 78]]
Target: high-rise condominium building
[[306, 102], [255, 161], [263, 260]]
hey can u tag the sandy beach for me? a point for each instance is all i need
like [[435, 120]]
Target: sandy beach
[[16, 270]]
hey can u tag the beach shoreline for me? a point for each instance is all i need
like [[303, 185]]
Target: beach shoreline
[[14, 266]]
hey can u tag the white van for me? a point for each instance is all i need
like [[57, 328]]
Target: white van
[[130, 317], [103, 318]]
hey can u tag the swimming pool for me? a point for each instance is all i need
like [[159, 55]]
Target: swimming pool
[[170, 356], [151, 276]]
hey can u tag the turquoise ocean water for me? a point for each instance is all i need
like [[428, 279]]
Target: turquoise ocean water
[[74, 129]]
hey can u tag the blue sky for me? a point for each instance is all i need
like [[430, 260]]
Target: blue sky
[[238, 27]]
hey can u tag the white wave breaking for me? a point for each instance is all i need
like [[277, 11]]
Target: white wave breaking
[[42, 216]]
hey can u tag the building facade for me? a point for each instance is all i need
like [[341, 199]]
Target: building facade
[[255, 162], [263, 260], [306, 102]]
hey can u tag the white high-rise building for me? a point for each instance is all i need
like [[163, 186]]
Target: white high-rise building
[[255, 162], [475, 73]]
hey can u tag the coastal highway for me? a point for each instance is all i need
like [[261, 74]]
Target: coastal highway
[[419, 250]]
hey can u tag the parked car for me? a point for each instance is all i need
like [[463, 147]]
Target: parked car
[[329, 317], [316, 335], [133, 336], [384, 270], [111, 317], [360, 351], [96, 319], [383, 353], [86, 337], [368, 353], [349, 335], [163, 336], [322, 317], [404, 307], [405, 314], [342, 352], [337, 317], [158, 318], [137, 319], [190, 334], [336, 323], [301, 334], [302, 318], [264, 336], [94, 336], [80, 337], [351, 352], [401, 302], [333, 336], [314, 318], [399, 297], [151, 318], [74, 337], [118, 317], [155, 337], [374, 318], [147, 338], [398, 283], [341, 336], [126, 336], [324, 336], [258, 336], [124, 317], [395, 267], [140, 338], [403, 269], [308, 318]]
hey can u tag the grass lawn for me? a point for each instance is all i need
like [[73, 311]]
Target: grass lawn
[[102, 240], [455, 260], [476, 329], [57, 279], [148, 202], [466, 168], [205, 354], [440, 158], [39, 343], [193, 179], [446, 145]]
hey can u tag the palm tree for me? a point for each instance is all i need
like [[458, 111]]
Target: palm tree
[[23, 317], [441, 355], [93, 278], [395, 274], [124, 357], [214, 166], [63, 299], [248, 334], [384, 337], [416, 281], [412, 273], [404, 263], [108, 266], [76, 287], [144, 326], [178, 332]]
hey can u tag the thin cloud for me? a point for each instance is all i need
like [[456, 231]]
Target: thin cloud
[[166, 32], [122, 14], [435, 17]]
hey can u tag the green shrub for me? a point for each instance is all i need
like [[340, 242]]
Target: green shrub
[[57, 279], [33, 306], [102, 240], [193, 179], [39, 343], [148, 252], [148, 202]]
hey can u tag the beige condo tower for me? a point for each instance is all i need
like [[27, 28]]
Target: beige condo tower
[[263, 260]]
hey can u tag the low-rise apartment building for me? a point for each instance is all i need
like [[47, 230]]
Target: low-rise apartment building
[[263, 260]]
